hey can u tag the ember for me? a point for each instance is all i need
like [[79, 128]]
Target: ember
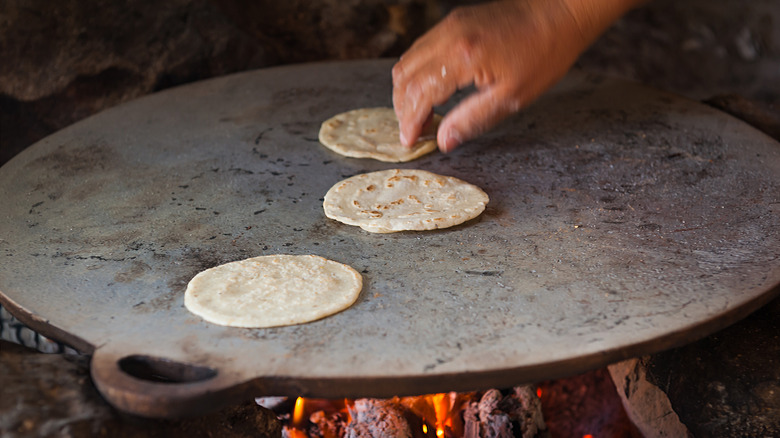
[[580, 406], [512, 413]]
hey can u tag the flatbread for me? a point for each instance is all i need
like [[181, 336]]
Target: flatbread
[[403, 199], [274, 290], [374, 133]]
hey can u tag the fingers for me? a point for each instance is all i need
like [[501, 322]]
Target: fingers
[[425, 76], [414, 95], [476, 114]]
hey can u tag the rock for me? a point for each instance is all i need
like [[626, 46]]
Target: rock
[[725, 385], [646, 405], [52, 395], [66, 60]]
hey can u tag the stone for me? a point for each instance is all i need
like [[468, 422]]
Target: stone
[[646, 405], [52, 395], [727, 384]]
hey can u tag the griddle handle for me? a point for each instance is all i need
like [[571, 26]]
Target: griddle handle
[[157, 387]]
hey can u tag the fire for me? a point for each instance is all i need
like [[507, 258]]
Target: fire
[[297, 418], [441, 408], [439, 413], [297, 427]]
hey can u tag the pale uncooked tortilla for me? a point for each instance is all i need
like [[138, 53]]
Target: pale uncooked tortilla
[[373, 133], [270, 291], [403, 199]]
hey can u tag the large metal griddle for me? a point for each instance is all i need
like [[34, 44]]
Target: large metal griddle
[[622, 221]]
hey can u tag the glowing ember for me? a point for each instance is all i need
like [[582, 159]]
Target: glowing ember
[[444, 415], [295, 433], [450, 415]]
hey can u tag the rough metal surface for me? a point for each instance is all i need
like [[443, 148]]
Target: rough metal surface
[[622, 221]]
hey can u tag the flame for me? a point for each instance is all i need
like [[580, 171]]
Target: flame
[[347, 404], [439, 412], [441, 408], [296, 433], [587, 436], [297, 418], [539, 392], [297, 426]]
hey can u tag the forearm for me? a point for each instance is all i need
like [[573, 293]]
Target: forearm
[[511, 51]]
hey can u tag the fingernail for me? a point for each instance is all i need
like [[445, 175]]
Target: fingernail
[[452, 139], [403, 139]]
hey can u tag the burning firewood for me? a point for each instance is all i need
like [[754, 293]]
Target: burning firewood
[[495, 415], [375, 417], [514, 413]]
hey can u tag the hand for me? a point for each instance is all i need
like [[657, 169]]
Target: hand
[[512, 51]]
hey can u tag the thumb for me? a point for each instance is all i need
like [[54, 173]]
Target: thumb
[[475, 115]]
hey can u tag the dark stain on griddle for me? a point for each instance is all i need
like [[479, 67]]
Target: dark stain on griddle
[[240, 171], [195, 260], [304, 94], [136, 270], [649, 227], [71, 161], [34, 206], [485, 273], [260, 137], [321, 231], [283, 97], [300, 128]]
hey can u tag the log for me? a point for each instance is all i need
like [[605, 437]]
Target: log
[[496, 415], [377, 418]]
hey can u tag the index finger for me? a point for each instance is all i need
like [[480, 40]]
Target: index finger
[[421, 82]]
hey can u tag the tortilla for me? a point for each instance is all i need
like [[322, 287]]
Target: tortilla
[[403, 199], [274, 290], [374, 133]]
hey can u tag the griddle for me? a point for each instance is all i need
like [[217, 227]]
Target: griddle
[[622, 221]]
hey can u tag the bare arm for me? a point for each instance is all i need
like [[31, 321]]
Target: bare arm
[[512, 51]]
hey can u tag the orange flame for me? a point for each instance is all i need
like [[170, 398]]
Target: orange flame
[[297, 418], [438, 412], [441, 408]]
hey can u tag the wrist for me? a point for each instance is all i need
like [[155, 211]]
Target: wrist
[[593, 17]]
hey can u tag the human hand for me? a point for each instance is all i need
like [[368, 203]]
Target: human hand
[[512, 51]]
